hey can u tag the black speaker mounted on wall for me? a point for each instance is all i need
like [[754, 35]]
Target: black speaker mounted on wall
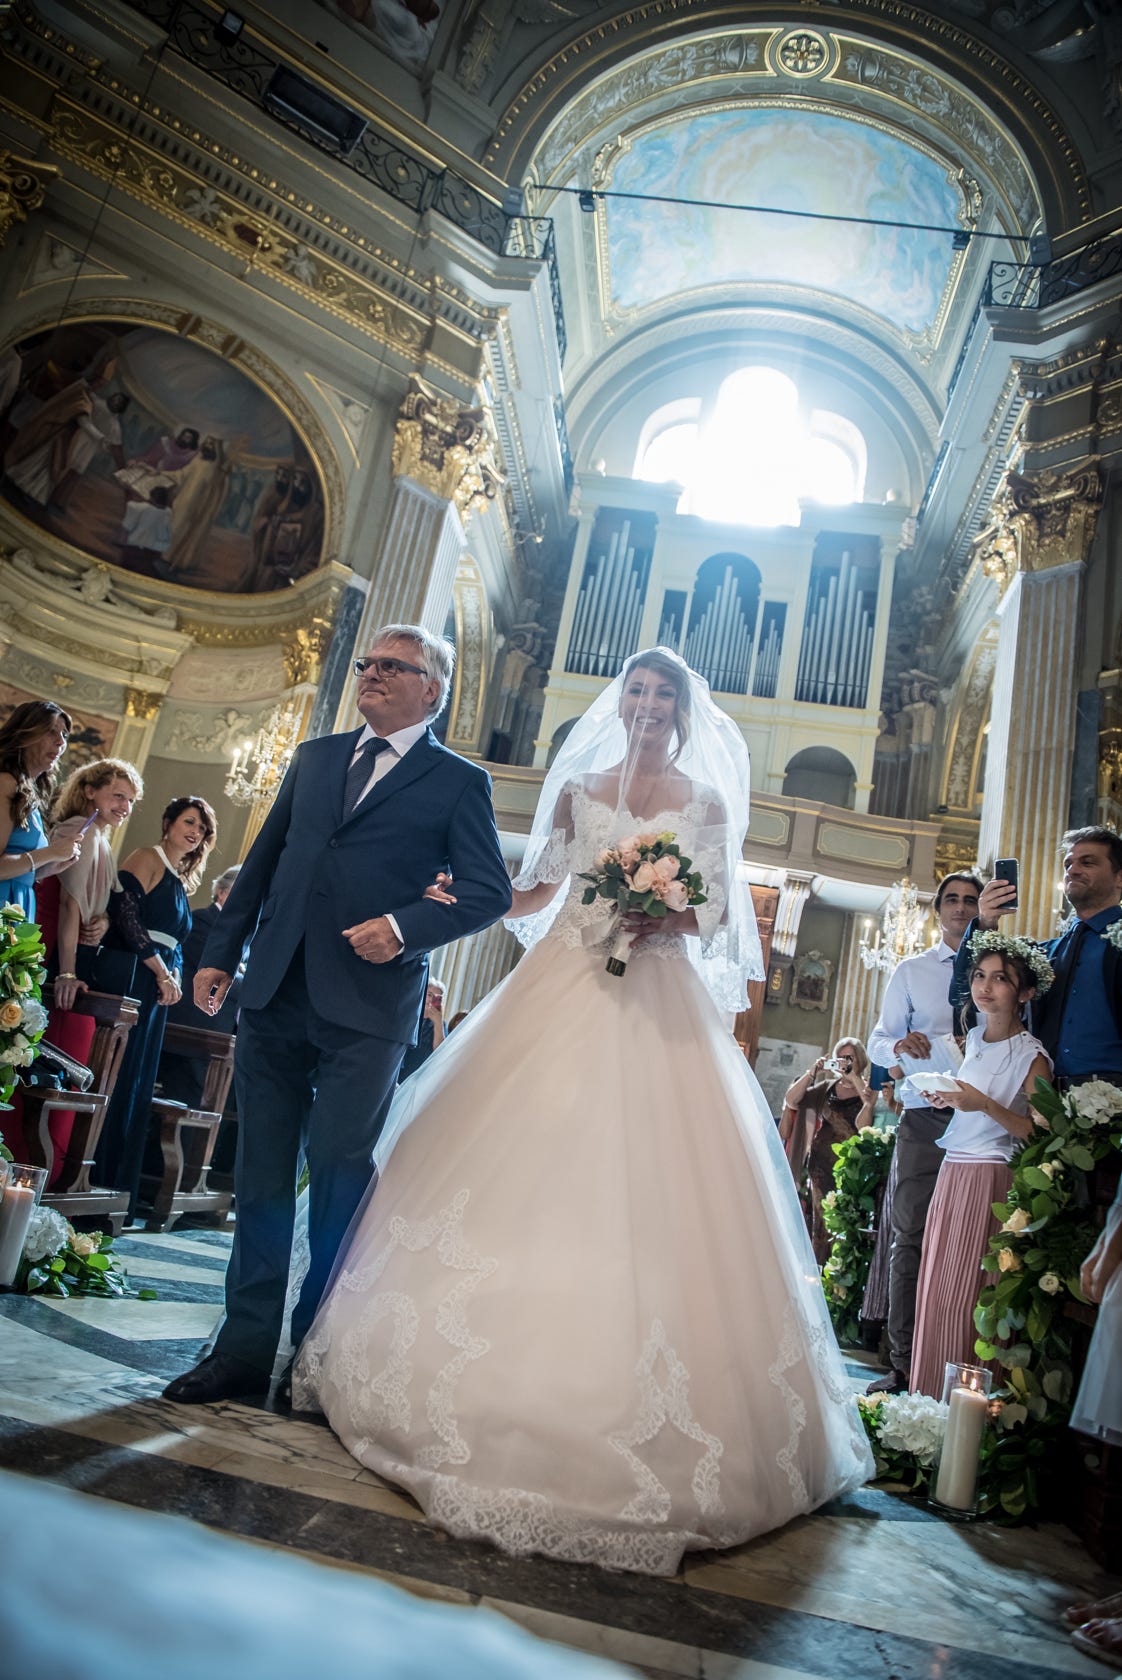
[[302, 102]]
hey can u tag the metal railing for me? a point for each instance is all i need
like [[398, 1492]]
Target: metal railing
[[1036, 285]]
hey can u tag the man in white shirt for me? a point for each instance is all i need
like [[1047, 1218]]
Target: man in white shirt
[[916, 1010]]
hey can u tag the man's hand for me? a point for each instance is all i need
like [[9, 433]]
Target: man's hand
[[995, 902], [912, 1044], [211, 986], [374, 941], [439, 889]]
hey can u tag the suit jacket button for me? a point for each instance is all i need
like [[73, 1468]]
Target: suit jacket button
[[333, 843]]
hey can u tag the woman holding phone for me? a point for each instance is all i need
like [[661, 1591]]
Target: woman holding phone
[[824, 1106], [32, 741]]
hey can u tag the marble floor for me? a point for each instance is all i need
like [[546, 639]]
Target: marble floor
[[870, 1586]]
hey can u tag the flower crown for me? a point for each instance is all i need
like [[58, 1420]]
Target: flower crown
[[993, 941]]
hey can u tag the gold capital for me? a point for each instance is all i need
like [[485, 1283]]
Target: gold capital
[[303, 653], [1040, 520], [445, 449], [141, 703], [23, 187]]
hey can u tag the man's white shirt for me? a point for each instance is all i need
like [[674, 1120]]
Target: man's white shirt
[[397, 745], [916, 999]]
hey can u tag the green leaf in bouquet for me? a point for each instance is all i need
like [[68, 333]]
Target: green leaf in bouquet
[[98, 1262], [147, 1295], [1080, 1156]]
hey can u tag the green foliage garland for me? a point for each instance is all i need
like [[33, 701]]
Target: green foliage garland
[[848, 1211]]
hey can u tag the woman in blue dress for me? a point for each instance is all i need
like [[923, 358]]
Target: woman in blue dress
[[149, 918], [32, 741]]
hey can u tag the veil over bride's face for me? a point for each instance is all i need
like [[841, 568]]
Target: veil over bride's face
[[648, 708]]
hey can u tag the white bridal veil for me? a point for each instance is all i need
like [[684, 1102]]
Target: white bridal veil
[[714, 755]]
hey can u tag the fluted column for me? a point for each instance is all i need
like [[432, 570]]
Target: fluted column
[[443, 469], [472, 967], [859, 990], [1036, 549]]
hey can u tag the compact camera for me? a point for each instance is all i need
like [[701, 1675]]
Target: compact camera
[[834, 1064]]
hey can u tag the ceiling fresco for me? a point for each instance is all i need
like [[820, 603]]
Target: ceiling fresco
[[794, 160]]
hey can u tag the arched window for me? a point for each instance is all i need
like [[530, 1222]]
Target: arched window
[[758, 454], [821, 773]]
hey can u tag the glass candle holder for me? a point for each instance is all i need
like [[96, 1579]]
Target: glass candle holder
[[966, 1395], [19, 1197]]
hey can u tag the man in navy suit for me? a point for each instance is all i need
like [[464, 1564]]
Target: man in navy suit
[[332, 894]]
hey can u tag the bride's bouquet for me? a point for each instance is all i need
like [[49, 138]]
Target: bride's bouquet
[[643, 873]]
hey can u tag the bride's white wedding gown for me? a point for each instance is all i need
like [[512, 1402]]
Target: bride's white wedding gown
[[580, 1314]]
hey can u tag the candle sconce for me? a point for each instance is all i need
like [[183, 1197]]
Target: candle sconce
[[20, 1190], [966, 1395]]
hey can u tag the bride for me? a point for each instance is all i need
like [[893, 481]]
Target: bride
[[580, 1314]]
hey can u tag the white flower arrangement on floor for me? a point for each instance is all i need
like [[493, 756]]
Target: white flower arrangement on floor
[[911, 1423]]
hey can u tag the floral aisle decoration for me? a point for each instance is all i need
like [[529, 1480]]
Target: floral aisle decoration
[[1033, 1264], [57, 1260], [905, 1433], [23, 1020], [848, 1211]]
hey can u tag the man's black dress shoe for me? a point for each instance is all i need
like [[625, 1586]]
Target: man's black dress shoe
[[218, 1377], [896, 1382]]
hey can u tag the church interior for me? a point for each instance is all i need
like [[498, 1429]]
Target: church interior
[[784, 335]]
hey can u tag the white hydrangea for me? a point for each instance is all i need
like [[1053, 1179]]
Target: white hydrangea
[[46, 1235], [912, 1423], [1097, 1100], [34, 1017]]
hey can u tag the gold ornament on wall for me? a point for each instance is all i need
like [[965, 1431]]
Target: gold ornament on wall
[[142, 703], [446, 449], [303, 653]]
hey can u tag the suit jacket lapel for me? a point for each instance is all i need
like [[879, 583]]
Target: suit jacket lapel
[[422, 757]]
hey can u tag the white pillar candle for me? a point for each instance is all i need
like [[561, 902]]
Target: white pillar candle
[[958, 1463], [17, 1204]]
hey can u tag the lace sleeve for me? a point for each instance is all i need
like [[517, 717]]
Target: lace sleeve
[[551, 859], [710, 848], [127, 917]]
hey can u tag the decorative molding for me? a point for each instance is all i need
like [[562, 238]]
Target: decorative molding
[[445, 449], [261, 243], [208, 734], [304, 652], [23, 187], [469, 598], [55, 261]]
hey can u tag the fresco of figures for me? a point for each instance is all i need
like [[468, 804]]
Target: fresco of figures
[[144, 449]]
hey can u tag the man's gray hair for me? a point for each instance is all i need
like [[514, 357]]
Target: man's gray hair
[[437, 655], [223, 882]]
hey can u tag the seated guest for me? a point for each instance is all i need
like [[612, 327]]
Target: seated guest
[[1000, 1067], [106, 790], [819, 1112], [182, 1077], [1079, 1022], [149, 918], [431, 1034]]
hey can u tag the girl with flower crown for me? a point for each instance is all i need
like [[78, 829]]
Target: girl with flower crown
[[1001, 1065]]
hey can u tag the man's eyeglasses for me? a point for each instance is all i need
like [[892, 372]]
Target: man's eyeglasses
[[387, 667]]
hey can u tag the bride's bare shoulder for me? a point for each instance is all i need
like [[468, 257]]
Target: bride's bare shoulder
[[598, 785]]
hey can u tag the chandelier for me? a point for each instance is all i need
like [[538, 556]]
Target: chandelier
[[901, 931], [259, 765]]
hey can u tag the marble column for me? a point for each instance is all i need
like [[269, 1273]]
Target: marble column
[[443, 469], [1036, 549]]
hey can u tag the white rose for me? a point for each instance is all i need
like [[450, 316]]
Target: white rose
[[1050, 1283], [1048, 1168], [85, 1243], [1016, 1221], [34, 1016]]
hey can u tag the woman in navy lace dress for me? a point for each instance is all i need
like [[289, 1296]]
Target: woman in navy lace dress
[[149, 918]]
